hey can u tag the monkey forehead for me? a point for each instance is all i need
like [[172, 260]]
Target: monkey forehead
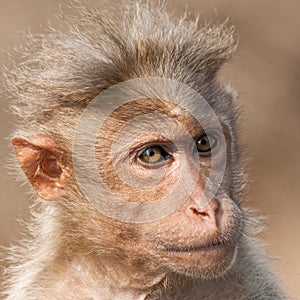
[[151, 112]]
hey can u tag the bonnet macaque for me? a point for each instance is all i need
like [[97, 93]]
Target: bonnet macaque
[[130, 199]]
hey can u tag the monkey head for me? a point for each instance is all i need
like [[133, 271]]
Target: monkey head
[[155, 155], [155, 182]]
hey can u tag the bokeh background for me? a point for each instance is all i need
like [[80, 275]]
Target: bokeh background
[[265, 72]]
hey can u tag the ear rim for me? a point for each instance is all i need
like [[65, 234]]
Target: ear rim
[[30, 151]]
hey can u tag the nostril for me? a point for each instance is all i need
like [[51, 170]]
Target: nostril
[[198, 212]]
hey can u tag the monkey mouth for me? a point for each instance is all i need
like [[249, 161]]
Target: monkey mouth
[[210, 246]]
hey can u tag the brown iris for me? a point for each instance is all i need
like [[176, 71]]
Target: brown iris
[[153, 155], [205, 143]]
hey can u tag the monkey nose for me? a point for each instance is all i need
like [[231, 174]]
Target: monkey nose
[[210, 212]]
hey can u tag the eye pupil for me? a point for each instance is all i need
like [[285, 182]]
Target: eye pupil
[[151, 153]]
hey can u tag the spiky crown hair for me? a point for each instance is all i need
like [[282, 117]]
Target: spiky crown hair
[[66, 70]]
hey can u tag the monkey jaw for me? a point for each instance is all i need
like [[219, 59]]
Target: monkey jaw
[[210, 264], [205, 261]]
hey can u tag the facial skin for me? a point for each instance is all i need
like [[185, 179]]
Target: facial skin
[[196, 239]]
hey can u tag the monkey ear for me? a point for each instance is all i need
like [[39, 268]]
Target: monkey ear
[[43, 162]]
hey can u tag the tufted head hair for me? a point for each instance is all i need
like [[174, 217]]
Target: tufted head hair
[[62, 71]]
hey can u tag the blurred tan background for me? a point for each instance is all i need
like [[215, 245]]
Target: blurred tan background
[[266, 73]]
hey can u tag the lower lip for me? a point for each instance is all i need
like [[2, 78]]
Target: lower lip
[[195, 249]]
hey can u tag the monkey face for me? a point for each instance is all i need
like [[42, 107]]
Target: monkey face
[[200, 236]]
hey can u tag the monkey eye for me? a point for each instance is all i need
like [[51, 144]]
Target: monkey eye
[[205, 143], [153, 154]]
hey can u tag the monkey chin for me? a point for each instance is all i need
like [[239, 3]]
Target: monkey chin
[[208, 263]]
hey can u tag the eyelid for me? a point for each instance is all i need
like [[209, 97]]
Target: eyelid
[[166, 145]]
